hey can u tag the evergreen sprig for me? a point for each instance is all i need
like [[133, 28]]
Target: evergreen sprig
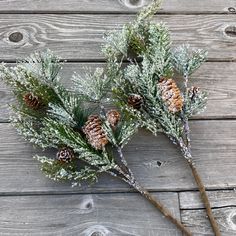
[[158, 62], [58, 171], [56, 116], [93, 86], [145, 87], [187, 60], [86, 139]]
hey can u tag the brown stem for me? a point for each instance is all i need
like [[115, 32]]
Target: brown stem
[[187, 154], [204, 198], [132, 182], [161, 208]]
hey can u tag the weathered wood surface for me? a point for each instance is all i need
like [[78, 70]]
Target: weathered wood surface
[[198, 223], [155, 161], [79, 37], [86, 215], [193, 215], [117, 6], [217, 78], [218, 199]]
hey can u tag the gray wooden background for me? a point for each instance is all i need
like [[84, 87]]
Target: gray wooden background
[[30, 204]]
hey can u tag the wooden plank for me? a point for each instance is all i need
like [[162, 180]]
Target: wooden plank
[[224, 209], [191, 200], [156, 162], [86, 215], [79, 37], [215, 77], [198, 223], [118, 6]]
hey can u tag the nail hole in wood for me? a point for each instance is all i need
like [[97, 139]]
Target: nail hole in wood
[[96, 234], [231, 10], [89, 205], [159, 163], [231, 31], [16, 37]]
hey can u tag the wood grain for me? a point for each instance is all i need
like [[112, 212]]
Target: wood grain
[[217, 78], [86, 215], [198, 223], [74, 30], [156, 162], [224, 209], [191, 200], [115, 6], [79, 37]]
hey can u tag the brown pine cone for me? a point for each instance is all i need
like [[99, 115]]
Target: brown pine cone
[[113, 117], [32, 101], [65, 155], [94, 132], [135, 101], [171, 95]]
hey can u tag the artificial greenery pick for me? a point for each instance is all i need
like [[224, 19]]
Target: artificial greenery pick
[[87, 140], [144, 68]]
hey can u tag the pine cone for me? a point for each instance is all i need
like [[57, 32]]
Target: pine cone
[[171, 95], [94, 132], [113, 117], [32, 101], [135, 101], [65, 155]]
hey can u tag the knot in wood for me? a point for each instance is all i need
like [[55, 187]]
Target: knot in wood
[[231, 219], [87, 204], [231, 10], [97, 234], [134, 3], [16, 37], [230, 31]]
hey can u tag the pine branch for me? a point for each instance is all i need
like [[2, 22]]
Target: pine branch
[[142, 79], [124, 131], [187, 60], [146, 91], [133, 37], [195, 101], [65, 125], [149, 11], [59, 171], [42, 65], [159, 50], [37, 75], [92, 87]]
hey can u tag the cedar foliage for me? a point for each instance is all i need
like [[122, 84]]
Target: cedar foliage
[[142, 64], [86, 139], [150, 74], [53, 117]]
